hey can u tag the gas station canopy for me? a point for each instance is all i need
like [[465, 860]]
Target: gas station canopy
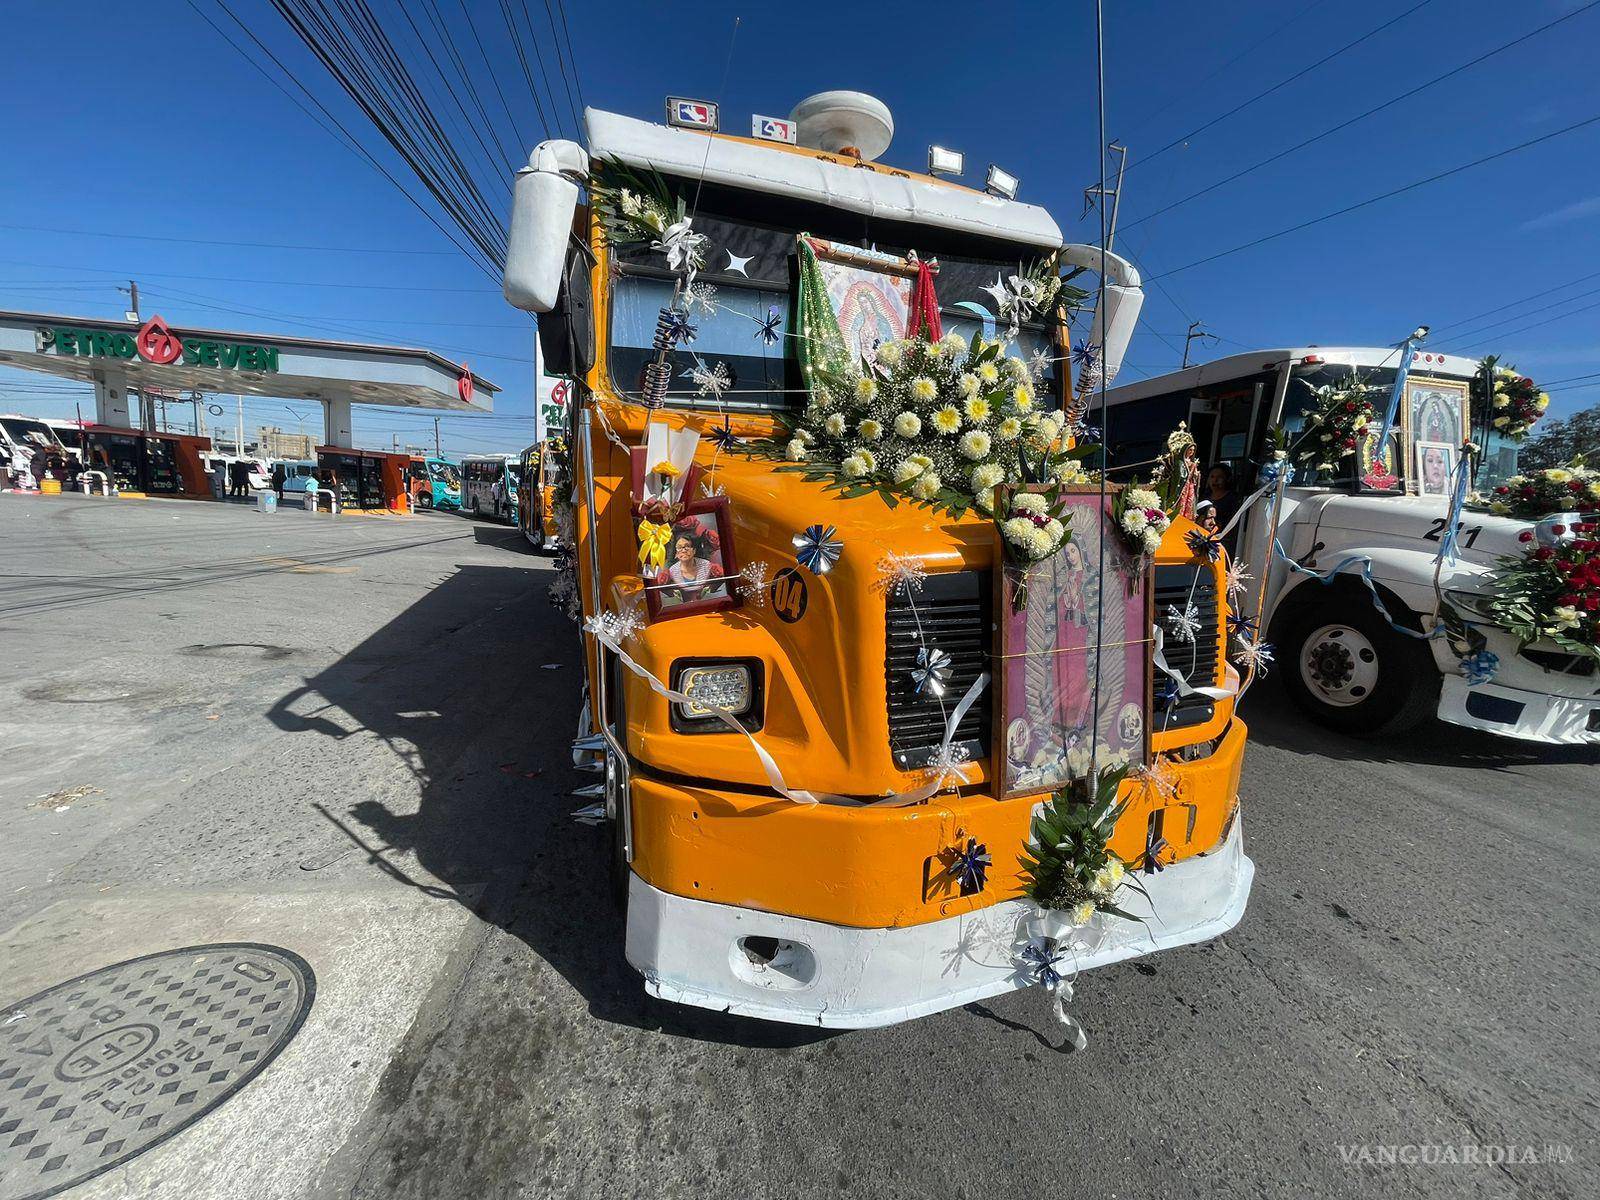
[[116, 356]]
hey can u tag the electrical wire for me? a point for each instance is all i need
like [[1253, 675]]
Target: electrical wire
[[1300, 74], [1350, 208], [1391, 102]]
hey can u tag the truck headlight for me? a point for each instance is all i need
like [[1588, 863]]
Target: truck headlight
[[1475, 603], [712, 684]]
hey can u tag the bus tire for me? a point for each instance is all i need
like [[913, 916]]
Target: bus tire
[[1345, 667], [425, 500]]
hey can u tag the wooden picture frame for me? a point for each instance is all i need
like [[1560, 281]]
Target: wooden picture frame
[[1432, 410], [1043, 689], [667, 596]]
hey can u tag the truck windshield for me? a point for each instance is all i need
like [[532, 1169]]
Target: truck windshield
[[749, 327]]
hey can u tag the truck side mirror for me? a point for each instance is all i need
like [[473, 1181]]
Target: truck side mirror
[[544, 199]]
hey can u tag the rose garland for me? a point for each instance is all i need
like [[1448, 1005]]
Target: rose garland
[[1570, 488], [1514, 404], [1335, 426], [1553, 592]]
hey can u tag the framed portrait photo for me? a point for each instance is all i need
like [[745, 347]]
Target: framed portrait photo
[[701, 571], [1435, 467], [1057, 656], [1434, 410]]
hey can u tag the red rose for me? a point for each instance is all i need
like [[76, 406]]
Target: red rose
[[1527, 491], [1558, 530], [1525, 536], [1544, 553], [1591, 603], [1350, 406], [1525, 382], [1575, 486]]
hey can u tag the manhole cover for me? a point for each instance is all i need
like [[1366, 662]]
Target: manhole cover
[[100, 1068]]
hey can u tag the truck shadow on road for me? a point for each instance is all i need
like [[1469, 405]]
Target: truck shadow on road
[[476, 690], [1275, 721]]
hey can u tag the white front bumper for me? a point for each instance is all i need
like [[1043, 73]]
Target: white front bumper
[[690, 951], [1513, 712]]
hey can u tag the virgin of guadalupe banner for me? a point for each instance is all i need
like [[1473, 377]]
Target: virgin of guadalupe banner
[[1051, 658]]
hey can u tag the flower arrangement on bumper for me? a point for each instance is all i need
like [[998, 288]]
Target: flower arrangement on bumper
[[1067, 865], [1553, 592], [1140, 519], [1513, 404], [943, 424], [1570, 488]]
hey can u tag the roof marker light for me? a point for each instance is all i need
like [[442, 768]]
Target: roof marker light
[[1000, 183], [945, 162]]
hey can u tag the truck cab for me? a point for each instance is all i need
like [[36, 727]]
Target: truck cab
[[754, 755], [1353, 590]]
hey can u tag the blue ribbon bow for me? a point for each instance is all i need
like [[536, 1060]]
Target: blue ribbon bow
[[969, 865], [1203, 543]]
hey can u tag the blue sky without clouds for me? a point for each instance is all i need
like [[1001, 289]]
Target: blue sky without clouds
[[138, 119]]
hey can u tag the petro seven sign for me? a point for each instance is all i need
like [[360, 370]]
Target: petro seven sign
[[155, 343]]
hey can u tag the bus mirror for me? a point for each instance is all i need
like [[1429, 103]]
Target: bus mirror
[[543, 202]]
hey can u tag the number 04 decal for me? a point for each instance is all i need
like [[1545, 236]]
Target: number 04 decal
[[1436, 531], [788, 592]]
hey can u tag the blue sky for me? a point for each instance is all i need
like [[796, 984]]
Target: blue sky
[[140, 120]]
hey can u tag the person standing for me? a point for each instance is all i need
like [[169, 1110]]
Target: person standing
[[1220, 491]]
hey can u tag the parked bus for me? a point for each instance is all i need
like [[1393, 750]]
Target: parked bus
[[1342, 659], [540, 466], [434, 483], [489, 486], [739, 896]]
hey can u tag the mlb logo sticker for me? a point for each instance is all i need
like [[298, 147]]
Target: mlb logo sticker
[[691, 114], [773, 129]]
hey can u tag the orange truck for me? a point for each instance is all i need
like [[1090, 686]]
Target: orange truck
[[806, 825]]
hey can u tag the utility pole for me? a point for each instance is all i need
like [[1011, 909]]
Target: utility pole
[[132, 292], [1194, 332], [1096, 194], [239, 408], [437, 453]]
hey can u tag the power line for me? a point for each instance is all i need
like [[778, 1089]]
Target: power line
[[1532, 325], [347, 139], [1477, 162], [377, 287], [1188, 89], [1300, 74], [561, 59], [1472, 333], [566, 35], [1539, 295], [1361, 116], [150, 237]]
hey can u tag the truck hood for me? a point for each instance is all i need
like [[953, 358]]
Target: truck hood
[[1416, 523]]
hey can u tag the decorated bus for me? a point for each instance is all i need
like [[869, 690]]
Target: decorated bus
[[1429, 577], [885, 704]]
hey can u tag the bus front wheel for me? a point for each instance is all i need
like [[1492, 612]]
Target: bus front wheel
[[1348, 668]]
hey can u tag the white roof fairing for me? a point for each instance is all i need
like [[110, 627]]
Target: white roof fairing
[[799, 176]]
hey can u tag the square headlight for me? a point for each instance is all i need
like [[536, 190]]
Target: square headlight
[[732, 685]]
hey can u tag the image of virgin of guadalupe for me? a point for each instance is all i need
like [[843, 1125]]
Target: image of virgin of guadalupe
[[693, 563], [1435, 416]]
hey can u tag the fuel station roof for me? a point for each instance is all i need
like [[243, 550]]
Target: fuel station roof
[[155, 355]]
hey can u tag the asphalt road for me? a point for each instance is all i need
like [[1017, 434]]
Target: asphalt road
[[349, 738]]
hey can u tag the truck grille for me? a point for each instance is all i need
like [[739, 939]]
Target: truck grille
[[1196, 661], [953, 612]]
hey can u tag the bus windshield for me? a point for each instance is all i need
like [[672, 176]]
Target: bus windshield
[[25, 432], [746, 329]]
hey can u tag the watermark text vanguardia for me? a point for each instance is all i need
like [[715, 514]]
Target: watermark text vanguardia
[[1448, 1154]]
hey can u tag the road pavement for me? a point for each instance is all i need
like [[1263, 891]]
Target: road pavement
[[347, 737]]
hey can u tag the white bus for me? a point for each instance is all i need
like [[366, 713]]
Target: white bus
[[1341, 660], [489, 486]]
